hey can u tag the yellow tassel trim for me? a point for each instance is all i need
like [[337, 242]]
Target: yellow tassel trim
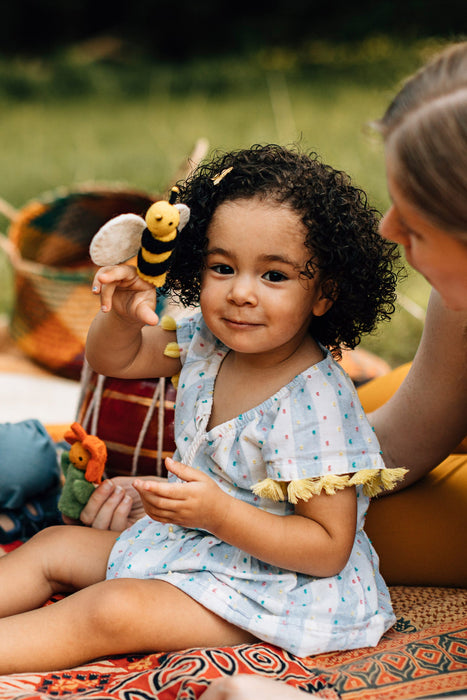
[[172, 350], [373, 481], [369, 479], [168, 323], [391, 477], [269, 488], [304, 489]]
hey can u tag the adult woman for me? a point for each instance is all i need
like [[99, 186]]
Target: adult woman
[[418, 532], [425, 133]]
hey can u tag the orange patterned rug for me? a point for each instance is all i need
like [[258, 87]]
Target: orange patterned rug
[[423, 656]]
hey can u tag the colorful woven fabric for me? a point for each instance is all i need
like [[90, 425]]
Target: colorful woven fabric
[[424, 655]]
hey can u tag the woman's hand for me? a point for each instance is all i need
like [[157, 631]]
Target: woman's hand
[[123, 291], [114, 505], [248, 686], [197, 502]]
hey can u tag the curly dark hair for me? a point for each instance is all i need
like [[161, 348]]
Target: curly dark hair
[[356, 266]]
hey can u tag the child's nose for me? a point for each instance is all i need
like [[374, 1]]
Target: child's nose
[[243, 290]]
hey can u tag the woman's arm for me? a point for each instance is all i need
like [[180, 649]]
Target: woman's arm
[[427, 417], [316, 540]]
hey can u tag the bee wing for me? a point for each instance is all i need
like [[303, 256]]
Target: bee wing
[[117, 240], [184, 212]]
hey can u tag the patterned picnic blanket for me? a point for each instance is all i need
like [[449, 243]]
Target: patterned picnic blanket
[[424, 655]]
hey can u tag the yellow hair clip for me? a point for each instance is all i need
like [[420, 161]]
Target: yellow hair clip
[[221, 175]]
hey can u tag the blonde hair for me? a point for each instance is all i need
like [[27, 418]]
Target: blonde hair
[[425, 130]]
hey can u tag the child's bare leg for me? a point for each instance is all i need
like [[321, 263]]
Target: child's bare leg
[[58, 559], [107, 618]]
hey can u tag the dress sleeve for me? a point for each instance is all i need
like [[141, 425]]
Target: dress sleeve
[[195, 340], [318, 438], [186, 329]]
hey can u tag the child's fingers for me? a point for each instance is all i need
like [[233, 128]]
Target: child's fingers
[[107, 279], [160, 507], [183, 471], [107, 292], [146, 314], [113, 273], [160, 489]]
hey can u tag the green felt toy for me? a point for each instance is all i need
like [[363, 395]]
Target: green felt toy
[[83, 467]]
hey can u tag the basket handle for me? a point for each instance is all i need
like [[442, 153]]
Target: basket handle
[[199, 151], [8, 210], [20, 264]]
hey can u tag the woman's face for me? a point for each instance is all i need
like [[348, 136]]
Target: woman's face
[[439, 256]]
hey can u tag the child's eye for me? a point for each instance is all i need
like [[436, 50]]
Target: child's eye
[[275, 276], [222, 269]]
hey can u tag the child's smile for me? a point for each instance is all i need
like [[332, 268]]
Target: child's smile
[[254, 296]]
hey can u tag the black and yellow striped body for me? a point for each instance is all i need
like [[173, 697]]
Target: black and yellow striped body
[[153, 257], [158, 241]]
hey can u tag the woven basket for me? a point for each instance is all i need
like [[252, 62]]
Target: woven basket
[[47, 244]]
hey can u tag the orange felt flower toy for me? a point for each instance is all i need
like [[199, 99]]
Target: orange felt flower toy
[[83, 467]]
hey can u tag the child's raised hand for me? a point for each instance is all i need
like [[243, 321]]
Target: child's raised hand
[[123, 291], [197, 502]]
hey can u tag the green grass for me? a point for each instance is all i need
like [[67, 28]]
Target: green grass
[[70, 121]]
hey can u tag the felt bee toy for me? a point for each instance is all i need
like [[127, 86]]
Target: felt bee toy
[[152, 238], [83, 467]]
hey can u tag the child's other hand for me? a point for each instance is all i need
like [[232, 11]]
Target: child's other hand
[[197, 502], [122, 290]]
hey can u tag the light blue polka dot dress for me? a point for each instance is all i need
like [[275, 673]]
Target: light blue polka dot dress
[[313, 427]]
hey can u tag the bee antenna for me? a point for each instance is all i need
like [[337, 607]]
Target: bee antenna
[[174, 192]]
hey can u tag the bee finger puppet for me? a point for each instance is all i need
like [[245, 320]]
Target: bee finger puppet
[[152, 238], [83, 468]]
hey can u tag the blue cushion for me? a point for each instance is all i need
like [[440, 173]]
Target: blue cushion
[[28, 462]]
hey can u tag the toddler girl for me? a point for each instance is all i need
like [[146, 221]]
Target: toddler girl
[[258, 532]]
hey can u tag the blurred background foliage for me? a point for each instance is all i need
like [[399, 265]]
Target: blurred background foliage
[[183, 30], [99, 92]]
